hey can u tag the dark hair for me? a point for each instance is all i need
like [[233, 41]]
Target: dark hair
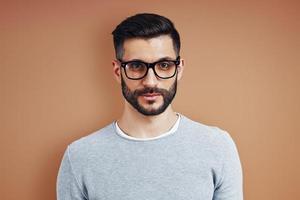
[[144, 25]]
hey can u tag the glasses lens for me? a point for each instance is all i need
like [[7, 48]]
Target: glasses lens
[[165, 69], [135, 69]]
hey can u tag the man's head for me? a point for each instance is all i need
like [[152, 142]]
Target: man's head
[[148, 66]]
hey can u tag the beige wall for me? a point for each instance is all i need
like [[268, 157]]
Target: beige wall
[[242, 74]]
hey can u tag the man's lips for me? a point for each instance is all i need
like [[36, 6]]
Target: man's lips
[[151, 94]]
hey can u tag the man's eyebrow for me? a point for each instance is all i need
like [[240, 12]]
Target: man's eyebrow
[[166, 58], [161, 59]]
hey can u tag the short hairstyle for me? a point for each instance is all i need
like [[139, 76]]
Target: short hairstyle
[[145, 26]]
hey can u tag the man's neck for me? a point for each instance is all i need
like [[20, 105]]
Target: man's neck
[[138, 125]]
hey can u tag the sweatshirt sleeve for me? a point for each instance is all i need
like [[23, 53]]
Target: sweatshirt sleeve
[[67, 185], [230, 186]]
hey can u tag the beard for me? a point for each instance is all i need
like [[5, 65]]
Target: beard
[[132, 97]]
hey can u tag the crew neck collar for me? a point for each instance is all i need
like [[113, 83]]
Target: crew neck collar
[[173, 129]]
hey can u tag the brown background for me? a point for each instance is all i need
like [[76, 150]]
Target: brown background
[[242, 74]]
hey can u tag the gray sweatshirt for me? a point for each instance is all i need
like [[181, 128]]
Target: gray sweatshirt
[[195, 162]]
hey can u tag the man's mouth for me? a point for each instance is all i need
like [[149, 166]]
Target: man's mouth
[[151, 96]]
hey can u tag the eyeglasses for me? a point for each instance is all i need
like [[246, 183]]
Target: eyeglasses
[[137, 69]]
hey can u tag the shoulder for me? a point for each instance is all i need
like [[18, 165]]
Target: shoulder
[[93, 137], [208, 134], [83, 148], [189, 125]]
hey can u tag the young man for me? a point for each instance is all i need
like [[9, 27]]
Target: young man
[[150, 152]]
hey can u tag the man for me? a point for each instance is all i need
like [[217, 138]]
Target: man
[[150, 152]]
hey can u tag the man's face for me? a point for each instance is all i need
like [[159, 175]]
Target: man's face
[[150, 95]]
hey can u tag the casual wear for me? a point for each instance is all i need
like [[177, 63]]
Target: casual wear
[[192, 162]]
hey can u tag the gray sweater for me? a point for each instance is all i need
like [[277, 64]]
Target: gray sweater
[[196, 162]]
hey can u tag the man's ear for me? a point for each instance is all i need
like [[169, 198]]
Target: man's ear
[[180, 69], [117, 70]]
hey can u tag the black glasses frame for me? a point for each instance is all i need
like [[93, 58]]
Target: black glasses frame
[[150, 65]]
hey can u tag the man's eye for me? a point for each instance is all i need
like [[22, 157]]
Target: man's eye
[[164, 65], [135, 66]]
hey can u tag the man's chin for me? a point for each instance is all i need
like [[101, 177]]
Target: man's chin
[[149, 113], [150, 110]]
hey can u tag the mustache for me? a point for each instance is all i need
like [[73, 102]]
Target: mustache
[[149, 90]]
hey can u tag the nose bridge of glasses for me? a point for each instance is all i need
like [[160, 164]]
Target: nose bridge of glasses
[[151, 65], [148, 67]]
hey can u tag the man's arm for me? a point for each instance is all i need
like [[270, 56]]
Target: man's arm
[[67, 186], [230, 186]]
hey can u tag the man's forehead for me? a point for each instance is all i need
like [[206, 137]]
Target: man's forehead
[[149, 49]]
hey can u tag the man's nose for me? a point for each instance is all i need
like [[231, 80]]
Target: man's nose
[[150, 80]]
